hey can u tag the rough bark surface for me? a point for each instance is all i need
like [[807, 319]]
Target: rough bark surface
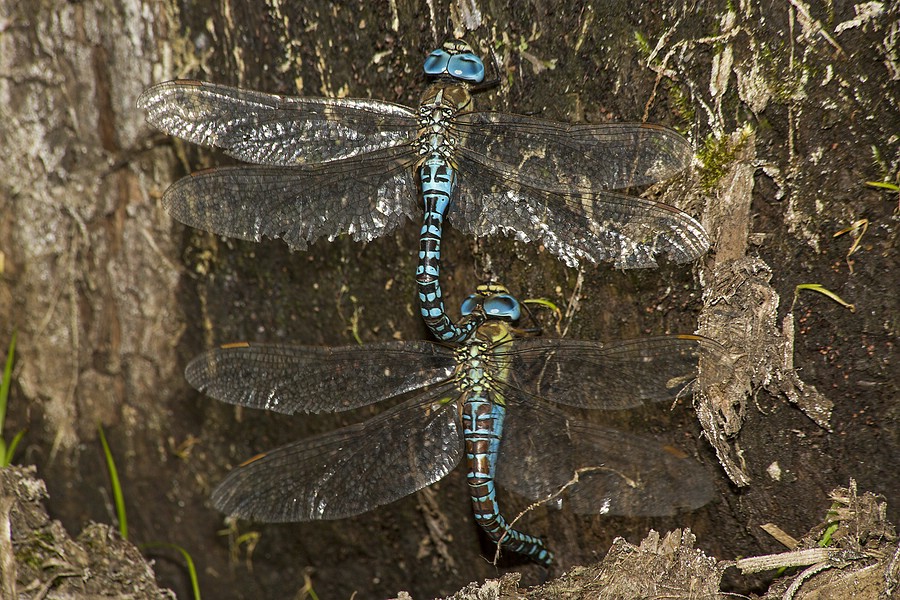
[[792, 107], [38, 558]]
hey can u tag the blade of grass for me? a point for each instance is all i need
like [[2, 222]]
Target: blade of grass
[[7, 380], [8, 452], [116, 486], [192, 570], [307, 590], [826, 537], [545, 303], [884, 185], [818, 287]]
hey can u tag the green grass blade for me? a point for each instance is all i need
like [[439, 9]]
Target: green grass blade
[[116, 486], [192, 571], [826, 537], [884, 185], [545, 303], [8, 452], [307, 589], [7, 380], [818, 287]]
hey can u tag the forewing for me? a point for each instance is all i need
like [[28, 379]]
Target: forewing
[[557, 156], [549, 457], [351, 470], [308, 379], [365, 196], [616, 375], [595, 226], [275, 130]]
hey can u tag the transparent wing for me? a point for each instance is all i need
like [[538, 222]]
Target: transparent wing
[[574, 224], [547, 456], [365, 196], [275, 130], [615, 375], [351, 470], [558, 157], [309, 379]]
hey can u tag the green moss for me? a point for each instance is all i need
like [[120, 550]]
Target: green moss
[[35, 551], [642, 44], [30, 557], [682, 108], [717, 154]]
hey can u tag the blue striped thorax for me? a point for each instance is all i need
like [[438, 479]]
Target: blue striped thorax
[[455, 60]]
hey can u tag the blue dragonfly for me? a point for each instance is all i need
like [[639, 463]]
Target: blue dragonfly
[[495, 400], [325, 167]]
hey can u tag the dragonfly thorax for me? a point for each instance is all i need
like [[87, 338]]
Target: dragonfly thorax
[[436, 112], [473, 366], [440, 103]]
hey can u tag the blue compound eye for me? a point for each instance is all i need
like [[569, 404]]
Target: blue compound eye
[[469, 305], [466, 67], [503, 306], [436, 62]]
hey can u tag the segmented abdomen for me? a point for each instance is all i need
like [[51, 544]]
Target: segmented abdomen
[[483, 428], [438, 181]]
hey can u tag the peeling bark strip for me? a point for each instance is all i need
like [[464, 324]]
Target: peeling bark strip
[[740, 310]]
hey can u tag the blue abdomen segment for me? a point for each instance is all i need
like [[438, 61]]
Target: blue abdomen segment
[[483, 428], [438, 180]]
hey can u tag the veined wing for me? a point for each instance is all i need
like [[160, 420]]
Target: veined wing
[[275, 130], [615, 375], [574, 225], [351, 470], [365, 196], [561, 157], [546, 456], [312, 379]]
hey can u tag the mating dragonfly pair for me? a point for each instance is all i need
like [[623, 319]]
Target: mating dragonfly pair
[[327, 167]]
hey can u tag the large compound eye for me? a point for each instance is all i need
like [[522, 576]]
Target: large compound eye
[[503, 306], [436, 62], [466, 67], [469, 305]]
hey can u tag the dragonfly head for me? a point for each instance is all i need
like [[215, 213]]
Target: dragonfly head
[[455, 60], [496, 302]]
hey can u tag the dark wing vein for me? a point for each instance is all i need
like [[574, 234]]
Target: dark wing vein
[[275, 130], [351, 470], [309, 379], [615, 375], [366, 196], [547, 456], [575, 225], [561, 157]]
